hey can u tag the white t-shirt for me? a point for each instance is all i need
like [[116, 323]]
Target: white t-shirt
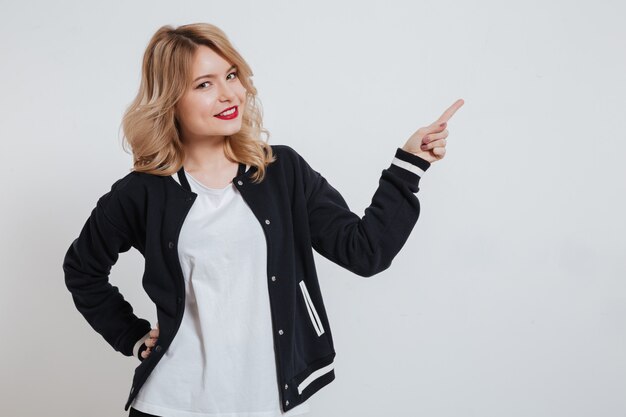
[[221, 362]]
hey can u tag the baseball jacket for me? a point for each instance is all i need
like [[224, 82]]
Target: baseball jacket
[[298, 210]]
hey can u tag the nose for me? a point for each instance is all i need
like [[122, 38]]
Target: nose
[[226, 93]]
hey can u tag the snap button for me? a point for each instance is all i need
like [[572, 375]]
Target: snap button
[[170, 244], [273, 278], [267, 221], [157, 348], [287, 402], [240, 182], [280, 331], [286, 386]]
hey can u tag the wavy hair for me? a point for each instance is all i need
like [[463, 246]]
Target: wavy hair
[[149, 124]]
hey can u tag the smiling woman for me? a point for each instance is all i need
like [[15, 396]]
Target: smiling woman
[[227, 224], [196, 96]]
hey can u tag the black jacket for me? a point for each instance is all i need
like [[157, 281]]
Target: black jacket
[[298, 210]]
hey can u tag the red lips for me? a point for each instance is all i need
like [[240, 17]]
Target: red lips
[[229, 116]]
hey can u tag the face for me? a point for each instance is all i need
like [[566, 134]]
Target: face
[[216, 88]]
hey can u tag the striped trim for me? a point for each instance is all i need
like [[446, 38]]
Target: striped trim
[[315, 319], [408, 166], [139, 343], [320, 372]]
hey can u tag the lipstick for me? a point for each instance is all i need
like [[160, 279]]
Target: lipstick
[[233, 115]]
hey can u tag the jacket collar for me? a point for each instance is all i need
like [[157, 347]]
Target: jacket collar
[[182, 178]]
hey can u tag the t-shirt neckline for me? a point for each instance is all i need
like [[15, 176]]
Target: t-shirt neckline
[[209, 189]]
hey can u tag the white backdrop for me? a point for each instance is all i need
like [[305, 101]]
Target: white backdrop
[[509, 297]]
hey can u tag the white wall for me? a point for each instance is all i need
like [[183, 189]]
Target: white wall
[[509, 297]]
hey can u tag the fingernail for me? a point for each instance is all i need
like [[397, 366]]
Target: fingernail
[[442, 124]]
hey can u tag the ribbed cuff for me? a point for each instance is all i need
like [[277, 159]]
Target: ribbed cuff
[[137, 349], [139, 328], [408, 166]]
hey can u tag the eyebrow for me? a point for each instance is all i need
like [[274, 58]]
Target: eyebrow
[[213, 75]]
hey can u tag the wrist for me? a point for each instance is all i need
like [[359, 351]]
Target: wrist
[[421, 155]]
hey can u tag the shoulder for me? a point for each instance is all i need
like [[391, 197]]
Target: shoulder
[[297, 169], [128, 183], [283, 150], [129, 190], [289, 156], [135, 181]]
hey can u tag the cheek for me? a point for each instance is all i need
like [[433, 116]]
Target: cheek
[[200, 107], [192, 111], [243, 96], [241, 90]]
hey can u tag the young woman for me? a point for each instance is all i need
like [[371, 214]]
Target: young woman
[[227, 224]]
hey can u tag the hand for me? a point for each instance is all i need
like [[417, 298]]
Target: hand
[[151, 341], [429, 142]]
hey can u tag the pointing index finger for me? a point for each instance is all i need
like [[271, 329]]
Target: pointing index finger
[[450, 111]]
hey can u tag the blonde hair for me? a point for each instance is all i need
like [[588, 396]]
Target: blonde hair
[[150, 127]]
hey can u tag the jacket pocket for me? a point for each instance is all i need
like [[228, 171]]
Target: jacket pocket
[[315, 318]]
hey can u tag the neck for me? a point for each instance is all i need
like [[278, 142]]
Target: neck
[[206, 153]]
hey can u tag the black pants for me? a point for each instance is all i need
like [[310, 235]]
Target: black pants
[[136, 413]]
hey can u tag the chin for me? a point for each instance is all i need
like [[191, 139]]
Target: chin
[[234, 130]]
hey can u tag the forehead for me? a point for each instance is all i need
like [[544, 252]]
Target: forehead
[[207, 61]]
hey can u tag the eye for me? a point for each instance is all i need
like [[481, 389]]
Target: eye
[[235, 73]]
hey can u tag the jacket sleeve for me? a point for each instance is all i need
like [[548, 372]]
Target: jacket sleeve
[[367, 245], [87, 265]]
